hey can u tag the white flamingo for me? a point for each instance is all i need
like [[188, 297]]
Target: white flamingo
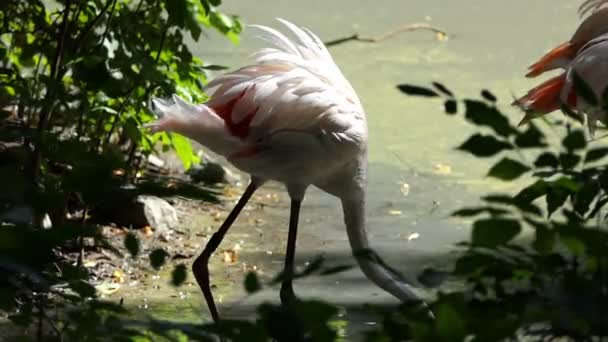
[[291, 117]]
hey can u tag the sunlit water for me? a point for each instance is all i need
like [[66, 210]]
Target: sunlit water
[[411, 141]]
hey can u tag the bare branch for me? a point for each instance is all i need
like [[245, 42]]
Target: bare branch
[[441, 35]]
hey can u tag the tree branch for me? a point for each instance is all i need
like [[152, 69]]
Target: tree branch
[[375, 39]]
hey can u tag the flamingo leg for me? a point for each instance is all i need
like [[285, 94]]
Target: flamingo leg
[[200, 267], [287, 295]]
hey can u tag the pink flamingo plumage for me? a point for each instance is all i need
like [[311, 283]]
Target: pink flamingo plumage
[[290, 117]]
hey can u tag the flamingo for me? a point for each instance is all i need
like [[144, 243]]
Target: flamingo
[[592, 27], [591, 65], [291, 117]]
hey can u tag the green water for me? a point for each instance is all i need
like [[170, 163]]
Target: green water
[[411, 141]]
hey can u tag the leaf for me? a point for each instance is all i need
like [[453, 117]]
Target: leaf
[[335, 269], [494, 232], [531, 138], [184, 151], [432, 278], [179, 275], [544, 240], [547, 159], [442, 88], [484, 145], [596, 154], [556, 197], [585, 196], [575, 140], [252, 283], [486, 94], [468, 212], [158, 257], [583, 89], [450, 106], [482, 114], [213, 67], [451, 324], [508, 169], [569, 160], [572, 114], [132, 244], [413, 90]]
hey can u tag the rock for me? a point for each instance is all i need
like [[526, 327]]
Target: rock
[[159, 214], [24, 215], [211, 171], [138, 212]]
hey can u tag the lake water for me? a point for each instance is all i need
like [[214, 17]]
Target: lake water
[[412, 142]]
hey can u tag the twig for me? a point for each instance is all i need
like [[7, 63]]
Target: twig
[[387, 35]]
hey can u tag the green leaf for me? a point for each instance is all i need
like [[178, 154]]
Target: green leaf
[[494, 232], [179, 275], [575, 140], [413, 90], [184, 151], [450, 323], [158, 257], [132, 244], [583, 89], [252, 283], [508, 169], [484, 145], [544, 240]]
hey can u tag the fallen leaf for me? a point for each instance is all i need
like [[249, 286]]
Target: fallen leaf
[[148, 231], [90, 263], [107, 288], [229, 256], [118, 276], [405, 189], [395, 212]]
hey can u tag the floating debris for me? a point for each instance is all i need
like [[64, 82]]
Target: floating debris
[[395, 212], [413, 236], [405, 189], [443, 169], [148, 231], [107, 288], [118, 276]]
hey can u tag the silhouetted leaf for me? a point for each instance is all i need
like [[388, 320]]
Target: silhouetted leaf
[[547, 159], [132, 244], [335, 269], [432, 278], [544, 240], [468, 212], [569, 160], [179, 275], [252, 283], [493, 232], [486, 94], [508, 169], [413, 90], [585, 196], [83, 288], [596, 154], [556, 196], [531, 138], [572, 114], [515, 202], [158, 257], [450, 106], [484, 145], [213, 67], [583, 89], [482, 114], [575, 140], [442, 88]]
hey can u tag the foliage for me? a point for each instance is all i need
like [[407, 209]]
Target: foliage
[[537, 260], [75, 77]]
